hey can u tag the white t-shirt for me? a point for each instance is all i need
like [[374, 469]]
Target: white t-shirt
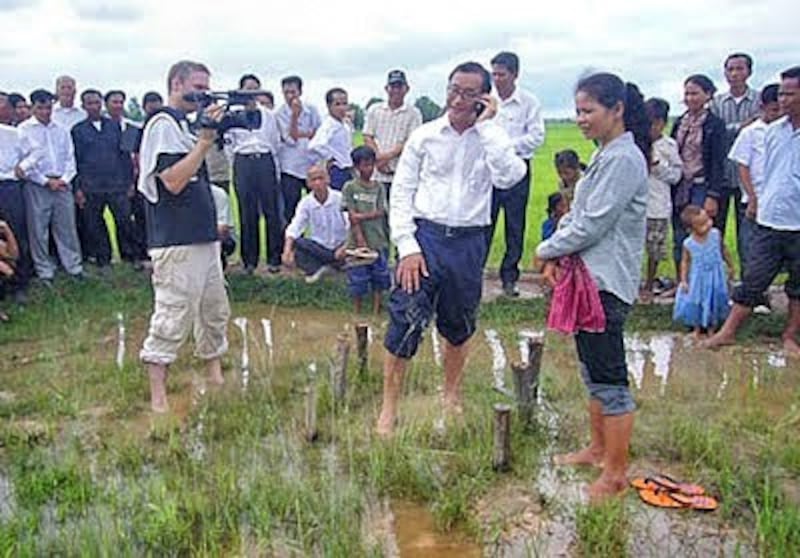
[[161, 135], [749, 150], [665, 173]]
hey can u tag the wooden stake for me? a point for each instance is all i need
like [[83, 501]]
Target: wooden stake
[[311, 413], [526, 381], [339, 368], [501, 460], [362, 343]]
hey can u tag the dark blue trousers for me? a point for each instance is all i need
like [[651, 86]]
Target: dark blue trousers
[[12, 211], [514, 203]]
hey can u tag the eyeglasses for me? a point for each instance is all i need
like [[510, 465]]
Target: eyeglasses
[[466, 94]]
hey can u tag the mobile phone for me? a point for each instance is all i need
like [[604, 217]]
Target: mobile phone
[[479, 108]]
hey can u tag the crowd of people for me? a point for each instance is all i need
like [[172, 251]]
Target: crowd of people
[[427, 196]]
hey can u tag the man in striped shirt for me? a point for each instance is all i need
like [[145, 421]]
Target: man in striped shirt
[[388, 126], [738, 107]]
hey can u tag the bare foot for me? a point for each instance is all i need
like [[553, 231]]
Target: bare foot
[[606, 487], [791, 348], [587, 456], [717, 341], [453, 408], [159, 405], [215, 377], [385, 427]]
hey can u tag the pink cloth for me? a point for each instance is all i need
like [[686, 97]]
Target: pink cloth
[[575, 305]]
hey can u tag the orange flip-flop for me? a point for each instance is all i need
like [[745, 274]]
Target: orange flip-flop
[[696, 502], [659, 498], [667, 483]]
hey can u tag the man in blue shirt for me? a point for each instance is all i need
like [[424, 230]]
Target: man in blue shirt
[[776, 239]]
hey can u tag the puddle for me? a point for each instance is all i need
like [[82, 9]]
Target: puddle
[[415, 534]]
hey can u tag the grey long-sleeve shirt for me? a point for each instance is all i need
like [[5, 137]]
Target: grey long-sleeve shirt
[[606, 225]]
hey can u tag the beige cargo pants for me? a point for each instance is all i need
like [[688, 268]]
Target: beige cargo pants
[[189, 293]]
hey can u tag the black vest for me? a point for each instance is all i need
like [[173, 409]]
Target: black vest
[[187, 218]]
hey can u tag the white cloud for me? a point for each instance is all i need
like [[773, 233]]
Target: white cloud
[[130, 44]]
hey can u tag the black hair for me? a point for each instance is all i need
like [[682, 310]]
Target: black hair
[[568, 158], [747, 58], [16, 98], [474, 68], [87, 92], [150, 97], [689, 213], [113, 92], [770, 93], [657, 109], [270, 96], [41, 96], [552, 202], [331, 92], [791, 73], [362, 153], [245, 77], [703, 82], [296, 80], [508, 60], [609, 90]]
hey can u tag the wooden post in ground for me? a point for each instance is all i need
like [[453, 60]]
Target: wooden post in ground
[[339, 368], [311, 404], [362, 343], [501, 459], [311, 412], [526, 381]]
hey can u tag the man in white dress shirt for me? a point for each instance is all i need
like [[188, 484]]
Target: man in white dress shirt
[[520, 114], [48, 192], [256, 178], [439, 215], [298, 122], [333, 141], [65, 113], [17, 157], [388, 126]]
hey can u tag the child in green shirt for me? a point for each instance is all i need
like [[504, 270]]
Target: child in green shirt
[[364, 200]]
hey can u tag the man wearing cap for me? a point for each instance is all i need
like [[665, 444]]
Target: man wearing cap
[[388, 125]]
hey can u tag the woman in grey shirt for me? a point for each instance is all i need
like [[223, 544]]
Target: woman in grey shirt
[[606, 228]]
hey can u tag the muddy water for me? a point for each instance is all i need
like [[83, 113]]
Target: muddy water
[[416, 535], [661, 366]]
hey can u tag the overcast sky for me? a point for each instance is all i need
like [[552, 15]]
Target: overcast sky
[[130, 44]]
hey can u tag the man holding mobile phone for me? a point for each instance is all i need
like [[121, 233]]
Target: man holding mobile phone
[[439, 215]]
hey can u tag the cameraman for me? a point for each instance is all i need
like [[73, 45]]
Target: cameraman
[[182, 235]]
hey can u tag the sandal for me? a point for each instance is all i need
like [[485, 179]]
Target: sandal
[[697, 502], [659, 498], [669, 484]]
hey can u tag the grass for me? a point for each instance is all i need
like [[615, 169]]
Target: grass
[[234, 476], [90, 473]]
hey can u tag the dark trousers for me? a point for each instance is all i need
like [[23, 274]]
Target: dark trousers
[[138, 228], [258, 193], [339, 177], [84, 236], [310, 255], [12, 211], [291, 191], [514, 202], [727, 199], [119, 204]]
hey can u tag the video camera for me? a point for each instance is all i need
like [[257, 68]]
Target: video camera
[[247, 118]]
